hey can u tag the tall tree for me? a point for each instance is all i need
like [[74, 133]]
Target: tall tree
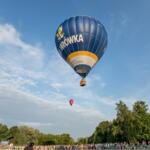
[[4, 132], [124, 122], [142, 120], [65, 139], [102, 133], [23, 135]]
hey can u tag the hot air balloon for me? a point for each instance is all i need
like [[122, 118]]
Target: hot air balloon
[[71, 101], [81, 41]]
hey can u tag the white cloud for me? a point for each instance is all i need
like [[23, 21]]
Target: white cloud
[[56, 85], [20, 62], [9, 35], [35, 124], [1, 120]]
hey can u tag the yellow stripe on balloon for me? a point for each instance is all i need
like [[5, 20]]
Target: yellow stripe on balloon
[[81, 53]]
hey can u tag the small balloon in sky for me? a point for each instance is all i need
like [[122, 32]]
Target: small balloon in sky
[[71, 102]]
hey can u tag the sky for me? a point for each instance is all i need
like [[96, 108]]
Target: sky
[[35, 82]]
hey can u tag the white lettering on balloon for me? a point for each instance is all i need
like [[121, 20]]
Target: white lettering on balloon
[[70, 40]]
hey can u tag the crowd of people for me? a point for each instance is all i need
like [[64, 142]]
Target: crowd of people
[[31, 146], [105, 146], [143, 145]]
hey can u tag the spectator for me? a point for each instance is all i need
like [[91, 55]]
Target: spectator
[[29, 147]]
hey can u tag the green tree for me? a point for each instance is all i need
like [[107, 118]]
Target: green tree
[[64, 139], [4, 132], [14, 132], [142, 120], [23, 135], [82, 140], [46, 139], [124, 124], [102, 133]]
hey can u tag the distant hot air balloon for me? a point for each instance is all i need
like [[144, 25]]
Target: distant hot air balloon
[[81, 41], [71, 101]]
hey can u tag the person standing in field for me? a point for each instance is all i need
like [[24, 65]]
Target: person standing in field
[[29, 147]]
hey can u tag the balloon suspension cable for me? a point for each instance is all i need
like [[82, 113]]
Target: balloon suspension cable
[[83, 82]]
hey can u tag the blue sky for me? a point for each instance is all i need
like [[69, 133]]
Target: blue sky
[[36, 84]]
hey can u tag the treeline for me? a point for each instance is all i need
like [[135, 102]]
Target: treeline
[[129, 126], [22, 135]]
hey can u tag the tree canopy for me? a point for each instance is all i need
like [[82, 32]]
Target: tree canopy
[[128, 126]]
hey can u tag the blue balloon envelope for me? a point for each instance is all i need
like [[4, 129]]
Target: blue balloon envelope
[[81, 41]]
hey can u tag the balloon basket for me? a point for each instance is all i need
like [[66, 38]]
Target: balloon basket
[[83, 82]]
